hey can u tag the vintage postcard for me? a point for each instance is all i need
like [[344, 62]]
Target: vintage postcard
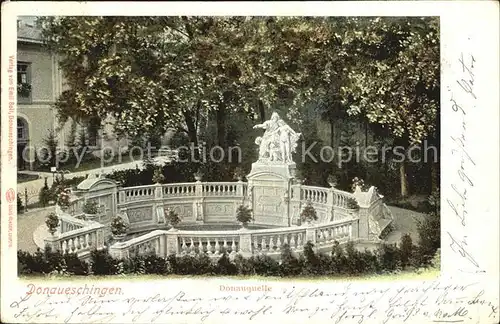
[[221, 162]]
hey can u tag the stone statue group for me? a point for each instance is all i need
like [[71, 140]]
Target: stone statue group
[[278, 142]]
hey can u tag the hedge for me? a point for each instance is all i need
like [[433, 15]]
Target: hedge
[[341, 261]]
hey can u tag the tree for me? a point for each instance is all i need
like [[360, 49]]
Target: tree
[[243, 215], [49, 152], [151, 73], [45, 195], [395, 82], [308, 214]]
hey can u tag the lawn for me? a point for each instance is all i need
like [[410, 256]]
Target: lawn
[[94, 163]]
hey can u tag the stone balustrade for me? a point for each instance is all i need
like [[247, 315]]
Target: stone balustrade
[[216, 202], [68, 222], [245, 242], [211, 243], [271, 241], [179, 189], [80, 241], [137, 193]]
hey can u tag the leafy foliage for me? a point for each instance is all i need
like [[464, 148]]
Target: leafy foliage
[[44, 196], [244, 214], [118, 226], [308, 213], [52, 222], [90, 207], [172, 217]]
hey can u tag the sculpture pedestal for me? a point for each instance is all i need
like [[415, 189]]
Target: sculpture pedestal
[[269, 191]]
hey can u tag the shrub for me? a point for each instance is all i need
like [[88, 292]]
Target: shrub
[[390, 258], [158, 176], [192, 265], [63, 196], [225, 267], [308, 213], [266, 266], [45, 262], [74, 265], [172, 217], [90, 207], [45, 196], [339, 259], [118, 226], [243, 214], [52, 222], [102, 263], [244, 266], [154, 264], [429, 240], [290, 265], [352, 203], [332, 180], [406, 250], [238, 173]]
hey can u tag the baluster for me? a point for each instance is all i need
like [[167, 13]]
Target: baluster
[[71, 245], [278, 243], [285, 239], [192, 247], [271, 244], [292, 241], [256, 244], [184, 246], [200, 246], [299, 240], [233, 246], [224, 246], [263, 244], [64, 246], [217, 246]]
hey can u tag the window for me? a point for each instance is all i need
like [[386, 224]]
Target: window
[[23, 81], [22, 131]]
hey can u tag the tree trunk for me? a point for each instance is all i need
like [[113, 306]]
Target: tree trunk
[[192, 132], [332, 133], [221, 125], [404, 180], [262, 112]]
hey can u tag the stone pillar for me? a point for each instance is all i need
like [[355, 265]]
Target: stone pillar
[[158, 191], [310, 234], [52, 242], [245, 245], [330, 200], [355, 229], [198, 203], [363, 226], [121, 196], [114, 201], [172, 242], [100, 239], [163, 251]]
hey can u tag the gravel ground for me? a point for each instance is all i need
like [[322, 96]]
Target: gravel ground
[[405, 221]]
